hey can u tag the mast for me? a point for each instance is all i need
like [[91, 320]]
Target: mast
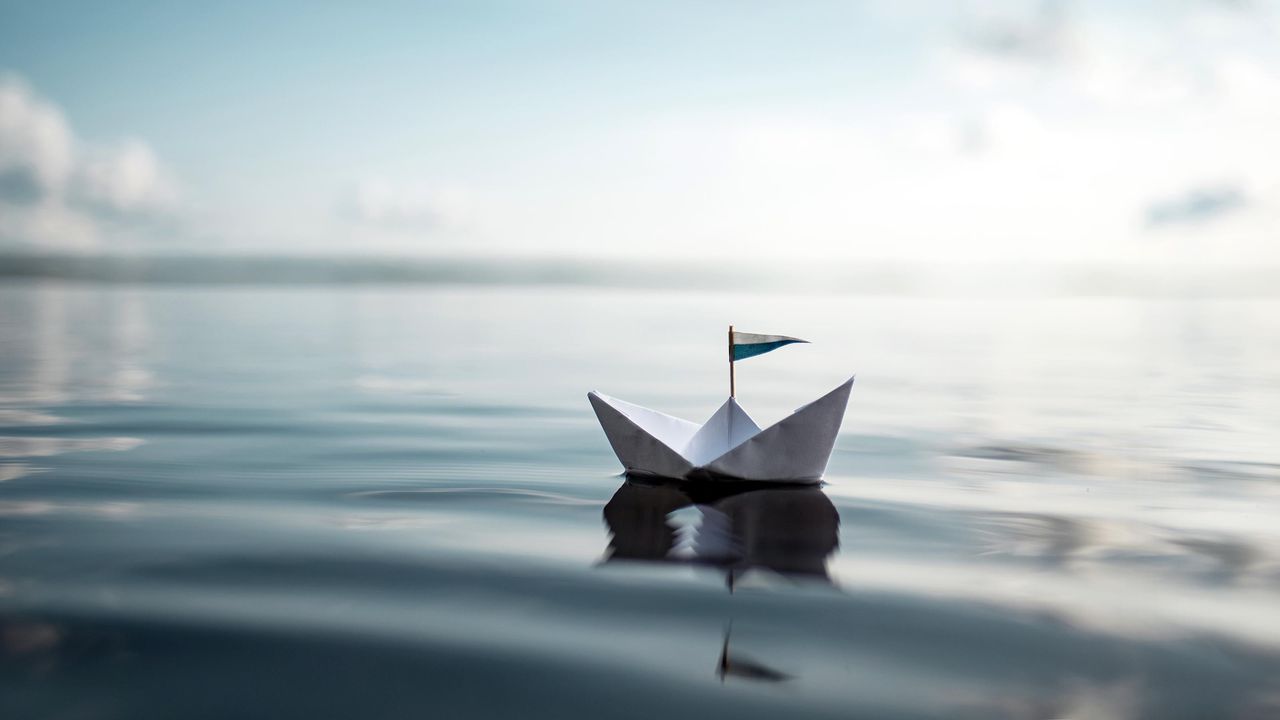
[[731, 388]]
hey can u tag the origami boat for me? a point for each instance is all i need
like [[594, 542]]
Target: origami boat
[[727, 446]]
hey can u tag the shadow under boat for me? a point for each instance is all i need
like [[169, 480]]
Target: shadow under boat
[[788, 529]]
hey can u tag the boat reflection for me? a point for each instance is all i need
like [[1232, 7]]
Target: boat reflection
[[786, 529], [745, 667]]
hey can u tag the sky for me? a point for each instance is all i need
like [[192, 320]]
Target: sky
[[888, 130]]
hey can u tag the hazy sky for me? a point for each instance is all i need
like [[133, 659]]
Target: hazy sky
[[986, 131]]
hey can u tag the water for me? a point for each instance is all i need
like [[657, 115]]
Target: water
[[395, 502]]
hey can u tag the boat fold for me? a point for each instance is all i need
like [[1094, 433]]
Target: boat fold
[[729, 445]]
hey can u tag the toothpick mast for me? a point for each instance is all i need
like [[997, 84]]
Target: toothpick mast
[[731, 388]]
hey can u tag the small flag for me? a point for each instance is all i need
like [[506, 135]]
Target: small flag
[[747, 345]]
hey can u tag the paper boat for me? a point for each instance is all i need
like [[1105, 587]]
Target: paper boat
[[729, 445]]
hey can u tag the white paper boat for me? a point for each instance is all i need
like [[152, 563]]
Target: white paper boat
[[729, 445]]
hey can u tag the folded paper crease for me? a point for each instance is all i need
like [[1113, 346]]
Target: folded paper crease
[[729, 444]]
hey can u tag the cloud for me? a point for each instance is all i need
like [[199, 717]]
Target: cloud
[[1201, 54], [124, 179], [386, 205], [35, 145], [60, 192], [1038, 35], [1004, 44], [1197, 205]]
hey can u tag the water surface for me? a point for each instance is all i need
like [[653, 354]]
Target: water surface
[[395, 502]]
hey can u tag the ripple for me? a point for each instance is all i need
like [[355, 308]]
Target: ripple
[[17, 447], [468, 494]]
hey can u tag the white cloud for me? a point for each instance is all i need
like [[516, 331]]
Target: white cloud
[[378, 209], [35, 144], [1090, 127], [59, 192], [126, 178], [1113, 60], [1247, 86], [1003, 45], [1036, 31]]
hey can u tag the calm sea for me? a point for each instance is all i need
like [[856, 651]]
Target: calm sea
[[395, 502]]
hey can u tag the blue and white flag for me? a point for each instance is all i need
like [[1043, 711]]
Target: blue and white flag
[[745, 345]]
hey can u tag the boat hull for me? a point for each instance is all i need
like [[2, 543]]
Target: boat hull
[[729, 446]]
